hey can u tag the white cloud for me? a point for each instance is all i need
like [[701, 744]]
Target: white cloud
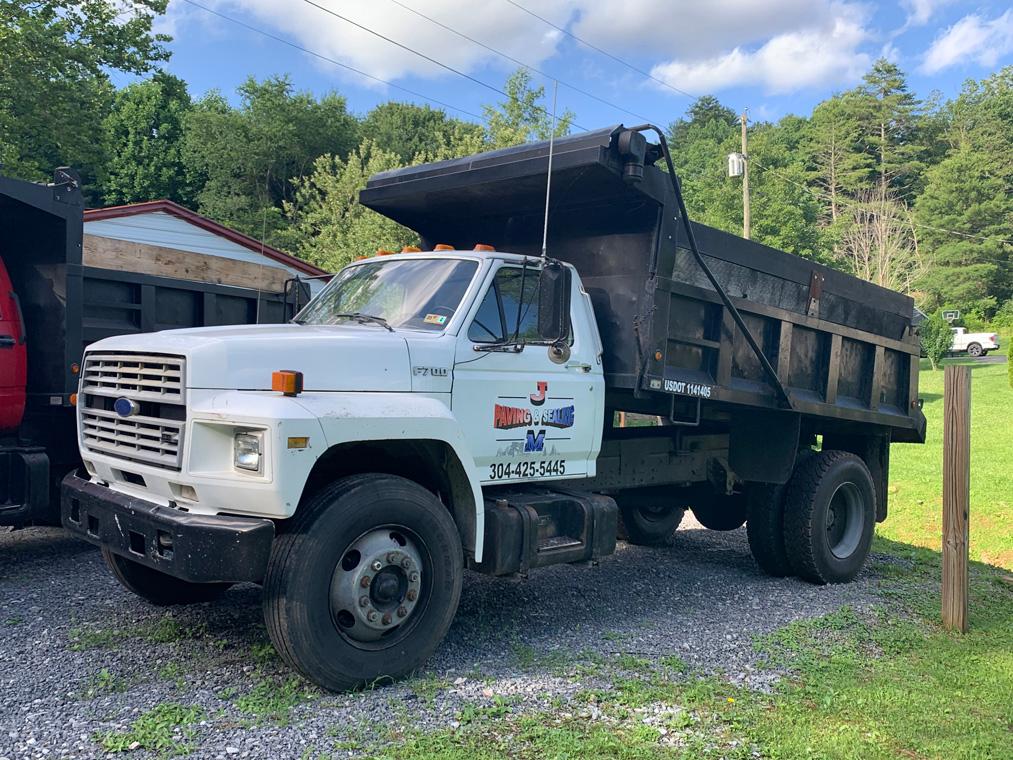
[[820, 55], [497, 24], [781, 45], [920, 12], [692, 28], [973, 38]]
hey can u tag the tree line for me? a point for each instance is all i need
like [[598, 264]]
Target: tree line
[[913, 194]]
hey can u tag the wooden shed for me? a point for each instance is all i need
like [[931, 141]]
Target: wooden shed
[[165, 239]]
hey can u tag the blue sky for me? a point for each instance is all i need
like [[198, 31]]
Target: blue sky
[[772, 56]]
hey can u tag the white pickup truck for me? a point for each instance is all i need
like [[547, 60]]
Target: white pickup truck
[[975, 344], [431, 411]]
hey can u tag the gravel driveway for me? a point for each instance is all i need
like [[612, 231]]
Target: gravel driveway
[[83, 659]]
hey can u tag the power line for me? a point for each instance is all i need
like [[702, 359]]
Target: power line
[[322, 57], [519, 62], [424, 56], [606, 53]]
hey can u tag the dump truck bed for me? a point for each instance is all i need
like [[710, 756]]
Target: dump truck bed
[[843, 349]]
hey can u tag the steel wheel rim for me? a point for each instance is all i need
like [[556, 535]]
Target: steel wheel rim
[[845, 521], [380, 587]]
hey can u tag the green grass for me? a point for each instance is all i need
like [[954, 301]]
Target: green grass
[[273, 700], [916, 470], [162, 729], [863, 684]]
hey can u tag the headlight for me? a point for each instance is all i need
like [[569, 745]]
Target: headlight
[[248, 449]]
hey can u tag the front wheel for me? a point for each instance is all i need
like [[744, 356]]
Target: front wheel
[[365, 582], [157, 587], [829, 517], [648, 518], [975, 350]]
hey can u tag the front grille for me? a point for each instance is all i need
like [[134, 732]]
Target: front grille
[[153, 433], [142, 377]]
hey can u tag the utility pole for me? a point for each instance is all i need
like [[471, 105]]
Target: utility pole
[[745, 181]]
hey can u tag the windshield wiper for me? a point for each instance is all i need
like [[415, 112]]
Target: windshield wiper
[[361, 318]]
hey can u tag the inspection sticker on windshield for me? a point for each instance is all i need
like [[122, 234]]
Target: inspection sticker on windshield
[[435, 319]]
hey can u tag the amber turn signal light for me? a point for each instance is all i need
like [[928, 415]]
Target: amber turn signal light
[[287, 381]]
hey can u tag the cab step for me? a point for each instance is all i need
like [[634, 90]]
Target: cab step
[[536, 527]]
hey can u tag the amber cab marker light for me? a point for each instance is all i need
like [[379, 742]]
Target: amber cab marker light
[[73, 399], [75, 368], [383, 252], [411, 249], [484, 247], [287, 381], [443, 247]]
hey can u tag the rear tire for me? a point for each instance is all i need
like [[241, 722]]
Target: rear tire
[[829, 517], [765, 529], [974, 349], [324, 566], [157, 587], [722, 512], [645, 522]]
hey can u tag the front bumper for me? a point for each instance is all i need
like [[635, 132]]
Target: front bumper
[[196, 548]]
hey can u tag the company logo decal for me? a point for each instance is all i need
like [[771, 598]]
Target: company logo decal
[[539, 398], [533, 420]]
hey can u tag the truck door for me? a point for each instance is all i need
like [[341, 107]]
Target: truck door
[[526, 416], [13, 355]]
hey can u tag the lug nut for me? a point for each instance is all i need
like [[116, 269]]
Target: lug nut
[[371, 616], [406, 563], [386, 618], [365, 581], [402, 611], [411, 595], [363, 601], [377, 565], [414, 577], [391, 558]]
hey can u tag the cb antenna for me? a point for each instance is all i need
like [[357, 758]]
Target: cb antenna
[[548, 177]]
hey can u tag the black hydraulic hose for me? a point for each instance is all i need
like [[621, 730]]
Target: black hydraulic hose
[[768, 368]]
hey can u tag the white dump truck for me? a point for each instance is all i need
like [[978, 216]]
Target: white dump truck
[[455, 408]]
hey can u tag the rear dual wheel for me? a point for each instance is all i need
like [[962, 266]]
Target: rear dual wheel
[[820, 525]]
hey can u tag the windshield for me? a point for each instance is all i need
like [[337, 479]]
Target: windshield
[[418, 294]]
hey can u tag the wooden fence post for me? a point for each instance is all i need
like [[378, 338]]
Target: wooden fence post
[[956, 494]]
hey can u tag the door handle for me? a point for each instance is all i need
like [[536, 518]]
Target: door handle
[[582, 366], [7, 341]]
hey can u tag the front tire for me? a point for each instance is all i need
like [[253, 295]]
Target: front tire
[[829, 517], [365, 583], [157, 587], [647, 519], [975, 350]]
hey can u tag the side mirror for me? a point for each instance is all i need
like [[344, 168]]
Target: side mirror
[[554, 284]]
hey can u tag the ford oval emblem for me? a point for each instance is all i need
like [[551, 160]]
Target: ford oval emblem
[[126, 407]]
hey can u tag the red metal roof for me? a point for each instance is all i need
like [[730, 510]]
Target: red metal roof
[[171, 207]]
